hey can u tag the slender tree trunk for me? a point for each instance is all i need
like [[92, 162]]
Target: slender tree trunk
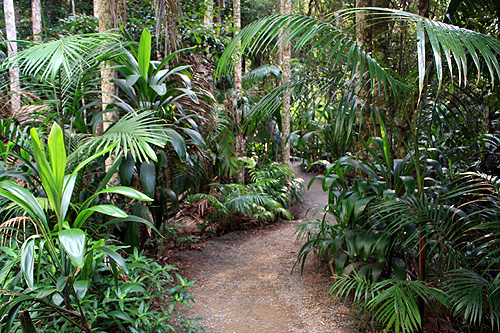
[[10, 27], [380, 27], [285, 54], [423, 9], [96, 9], [220, 11], [108, 89], [240, 143], [36, 17], [364, 39], [208, 17]]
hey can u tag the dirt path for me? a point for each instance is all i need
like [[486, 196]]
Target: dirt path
[[244, 284]]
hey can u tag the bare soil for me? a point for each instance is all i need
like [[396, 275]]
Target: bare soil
[[245, 283]]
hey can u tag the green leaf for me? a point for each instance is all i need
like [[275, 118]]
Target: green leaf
[[178, 143], [191, 94], [25, 199], [133, 218], [340, 262], [57, 299], [133, 233], [360, 205], [132, 79], [377, 270], [144, 55], [399, 268], [148, 178], [196, 137], [73, 241], [49, 182], [87, 270], [160, 89], [109, 174], [126, 170], [81, 287], [409, 183], [57, 154], [104, 209], [121, 315], [26, 322], [128, 192], [61, 283], [115, 256], [12, 315], [421, 55], [100, 152], [134, 132], [67, 194], [28, 261]]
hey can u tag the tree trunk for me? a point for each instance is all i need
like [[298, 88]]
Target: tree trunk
[[363, 38], [108, 89], [36, 16], [208, 17], [220, 11], [10, 27], [285, 54], [380, 27], [423, 10], [240, 143]]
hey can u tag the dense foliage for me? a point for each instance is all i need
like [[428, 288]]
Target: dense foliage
[[400, 120]]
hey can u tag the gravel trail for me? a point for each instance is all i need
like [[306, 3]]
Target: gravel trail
[[244, 281]]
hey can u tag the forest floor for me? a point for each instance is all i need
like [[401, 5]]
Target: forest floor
[[245, 283]]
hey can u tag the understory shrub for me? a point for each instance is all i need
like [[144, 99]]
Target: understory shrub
[[406, 259], [58, 274], [266, 198]]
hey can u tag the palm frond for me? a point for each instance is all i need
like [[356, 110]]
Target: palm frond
[[395, 303], [334, 44], [450, 45], [474, 296], [70, 55], [358, 286], [214, 201], [14, 133], [310, 93], [136, 133], [456, 45], [261, 73]]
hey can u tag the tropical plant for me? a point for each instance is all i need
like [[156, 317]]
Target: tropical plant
[[146, 301], [363, 225], [373, 248], [63, 71], [151, 91], [57, 242], [266, 198]]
